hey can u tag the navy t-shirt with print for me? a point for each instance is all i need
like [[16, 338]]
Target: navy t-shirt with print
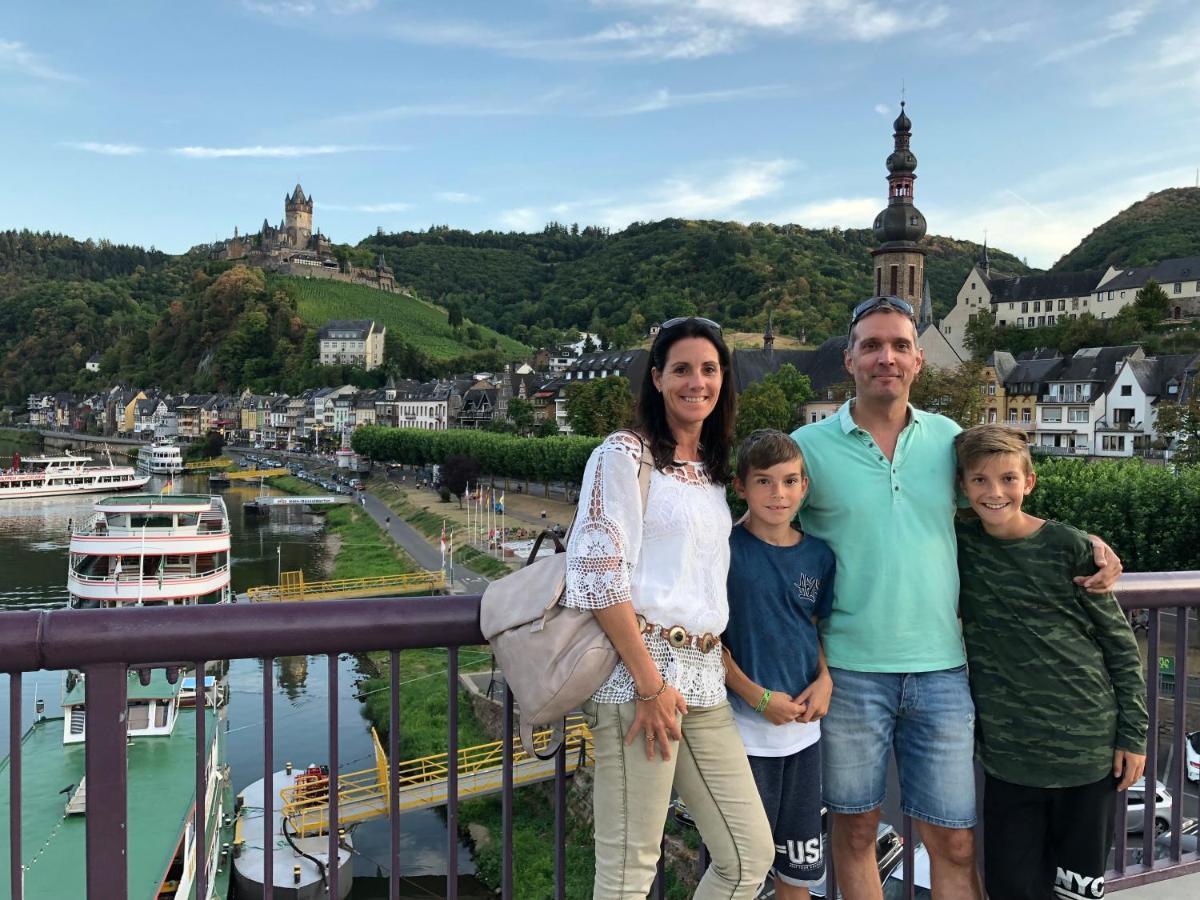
[[774, 593]]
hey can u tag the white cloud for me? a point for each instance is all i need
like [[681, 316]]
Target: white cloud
[[105, 149], [1002, 34], [539, 104], [692, 197], [16, 57], [524, 218], [664, 98], [275, 152], [281, 9], [457, 197], [840, 212], [1118, 25], [858, 20], [883, 109], [1043, 229], [1167, 72], [366, 207]]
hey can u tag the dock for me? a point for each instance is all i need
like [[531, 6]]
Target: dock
[[294, 588]]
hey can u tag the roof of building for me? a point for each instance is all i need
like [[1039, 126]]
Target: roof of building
[[1184, 268], [1097, 364], [1003, 362], [1050, 285], [346, 329]]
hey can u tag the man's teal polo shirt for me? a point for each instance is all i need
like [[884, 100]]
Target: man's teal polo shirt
[[891, 527]]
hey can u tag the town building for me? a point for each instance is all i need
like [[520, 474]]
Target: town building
[[356, 342], [899, 260]]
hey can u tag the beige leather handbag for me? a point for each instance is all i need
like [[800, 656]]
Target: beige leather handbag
[[553, 657]]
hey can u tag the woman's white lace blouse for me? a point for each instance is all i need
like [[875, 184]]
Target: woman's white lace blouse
[[671, 563]]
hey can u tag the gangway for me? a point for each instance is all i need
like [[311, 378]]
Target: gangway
[[252, 474], [422, 783], [221, 463], [292, 587]]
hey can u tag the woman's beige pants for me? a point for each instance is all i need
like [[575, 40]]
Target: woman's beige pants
[[709, 771]]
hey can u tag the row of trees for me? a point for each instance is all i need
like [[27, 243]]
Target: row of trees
[[501, 455]]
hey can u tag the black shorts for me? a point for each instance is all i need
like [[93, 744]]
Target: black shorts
[[1047, 843], [790, 787]]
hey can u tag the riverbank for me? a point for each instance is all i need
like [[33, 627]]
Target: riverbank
[[357, 546], [20, 438]]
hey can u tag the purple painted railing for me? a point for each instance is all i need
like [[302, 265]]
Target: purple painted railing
[[107, 643]]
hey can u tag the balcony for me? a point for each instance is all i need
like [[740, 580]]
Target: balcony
[[1119, 426], [1065, 398], [106, 645]]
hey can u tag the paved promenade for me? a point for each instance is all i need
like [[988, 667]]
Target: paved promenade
[[1175, 889]]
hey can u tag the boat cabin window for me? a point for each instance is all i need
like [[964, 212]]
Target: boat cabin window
[[150, 520], [139, 715], [188, 519]]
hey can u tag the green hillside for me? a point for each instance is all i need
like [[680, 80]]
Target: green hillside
[[527, 285], [417, 322], [1165, 225]]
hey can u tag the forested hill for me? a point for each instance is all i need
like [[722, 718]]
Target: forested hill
[[618, 284], [183, 323], [1165, 225]]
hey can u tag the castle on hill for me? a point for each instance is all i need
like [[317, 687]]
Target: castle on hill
[[293, 248]]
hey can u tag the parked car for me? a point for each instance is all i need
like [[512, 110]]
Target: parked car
[[1135, 809], [1193, 756], [1189, 839]]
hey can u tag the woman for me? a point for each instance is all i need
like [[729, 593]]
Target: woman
[[655, 579]]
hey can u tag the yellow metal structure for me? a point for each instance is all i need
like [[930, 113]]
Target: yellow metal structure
[[253, 474], [292, 587], [208, 464], [422, 783]]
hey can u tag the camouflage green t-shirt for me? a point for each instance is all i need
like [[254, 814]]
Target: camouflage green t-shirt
[[1055, 671]]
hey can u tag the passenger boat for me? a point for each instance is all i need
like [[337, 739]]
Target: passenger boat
[[49, 476], [161, 804], [152, 550], [160, 458]]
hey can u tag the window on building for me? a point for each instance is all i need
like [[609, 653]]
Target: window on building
[[1049, 320], [991, 389], [1012, 415], [972, 285], [912, 281], [1024, 306], [1077, 415], [1026, 415], [1020, 321], [1114, 442], [1052, 414], [1074, 303], [878, 281], [1010, 306], [1110, 295], [1037, 305], [991, 415], [1178, 287], [1041, 320], [1127, 390], [894, 280], [1062, 304], [948, 327]]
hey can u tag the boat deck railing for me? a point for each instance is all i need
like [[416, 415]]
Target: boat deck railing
[[107, 644], [296, 589]]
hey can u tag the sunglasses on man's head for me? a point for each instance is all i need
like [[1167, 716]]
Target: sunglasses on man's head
[[679, 320], [885, 302]]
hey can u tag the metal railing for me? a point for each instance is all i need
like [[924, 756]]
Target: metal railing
[[105, 644]]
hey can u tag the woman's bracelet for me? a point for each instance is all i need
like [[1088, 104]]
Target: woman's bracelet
[[653, 696], [762, 704]]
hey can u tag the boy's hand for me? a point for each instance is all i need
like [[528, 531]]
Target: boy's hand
[[1128, 767], [781, 709], [1110, 568], [815, 698]]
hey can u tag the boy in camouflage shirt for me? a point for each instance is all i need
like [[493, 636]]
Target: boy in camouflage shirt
[[1056, 678]]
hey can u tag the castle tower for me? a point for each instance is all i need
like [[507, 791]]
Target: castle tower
[[899, 261], [297, 218]]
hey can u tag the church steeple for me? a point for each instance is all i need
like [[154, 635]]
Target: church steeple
[[769, 334], [985, 264], [899, 260]]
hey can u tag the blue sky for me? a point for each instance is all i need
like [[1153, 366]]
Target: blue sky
[[169, 123]]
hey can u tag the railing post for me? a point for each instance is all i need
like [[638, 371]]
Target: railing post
[[334, 846], [268, 689], [105, 770], [1149, 807], [394, 774], [506, 800], [452, 775], [16, 889]]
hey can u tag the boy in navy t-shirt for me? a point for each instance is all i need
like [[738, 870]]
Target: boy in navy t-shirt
[[780, 584]]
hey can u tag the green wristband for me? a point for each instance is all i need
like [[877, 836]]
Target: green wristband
[[762, 704]]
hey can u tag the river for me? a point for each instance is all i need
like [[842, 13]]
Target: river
[[33, 558]]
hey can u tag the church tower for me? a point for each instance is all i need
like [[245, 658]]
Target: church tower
[[297, 218], [899, 260]]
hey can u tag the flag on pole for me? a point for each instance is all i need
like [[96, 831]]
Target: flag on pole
[[443, 543], [500, 503]]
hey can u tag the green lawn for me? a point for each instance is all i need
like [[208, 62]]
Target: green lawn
[[418, 322]]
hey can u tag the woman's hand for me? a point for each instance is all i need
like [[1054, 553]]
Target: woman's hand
[[657, 722], [781, 708]]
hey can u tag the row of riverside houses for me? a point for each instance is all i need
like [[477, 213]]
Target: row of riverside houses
[[1033, 301]]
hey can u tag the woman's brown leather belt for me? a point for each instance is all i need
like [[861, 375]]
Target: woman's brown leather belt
[[679, 637]]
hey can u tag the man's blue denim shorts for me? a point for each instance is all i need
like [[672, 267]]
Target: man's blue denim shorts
[[926, 718]]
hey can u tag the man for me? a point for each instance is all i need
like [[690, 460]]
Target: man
[[882, 496]]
